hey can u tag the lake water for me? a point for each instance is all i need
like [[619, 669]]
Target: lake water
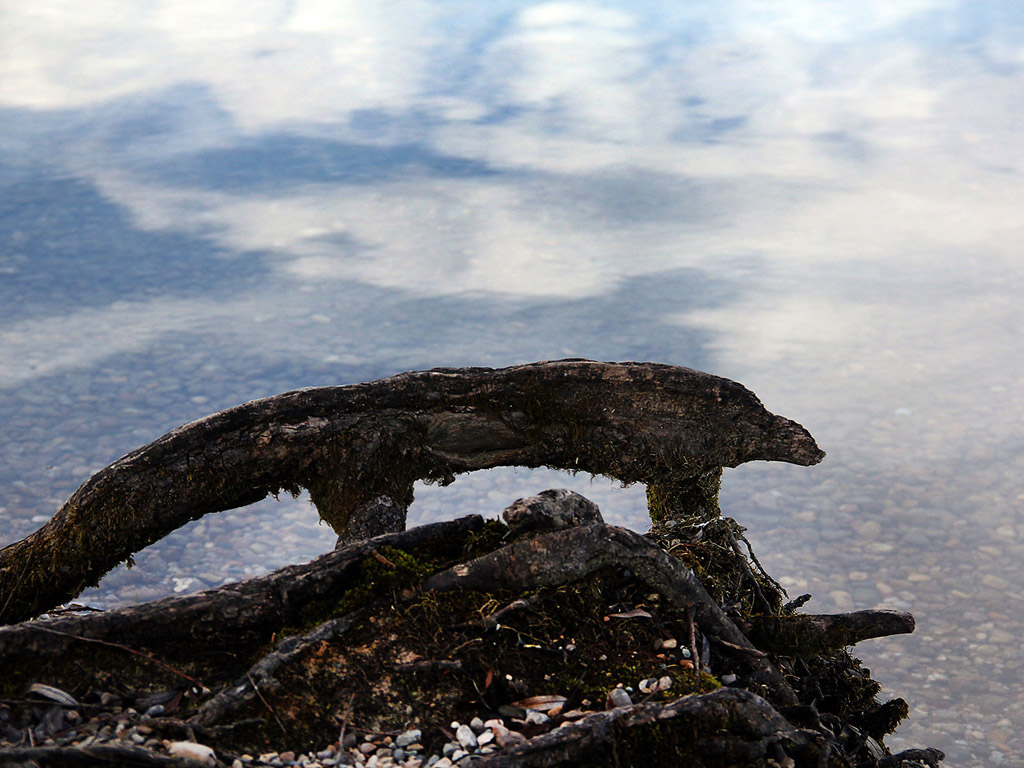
[[821, 200]]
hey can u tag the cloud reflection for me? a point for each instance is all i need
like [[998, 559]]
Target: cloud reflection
[[546, 150]]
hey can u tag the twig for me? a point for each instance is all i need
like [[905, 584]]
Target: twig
[[381, 559], [119, 646], [345, 715], [265, 702], [693, 638]]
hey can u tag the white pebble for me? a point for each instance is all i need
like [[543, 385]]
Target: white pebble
[[476, 724], [198, 752], [466, 737], [538, 718], [485, 738]]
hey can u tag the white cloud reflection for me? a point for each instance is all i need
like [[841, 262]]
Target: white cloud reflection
[[270, 63], [845, 133]]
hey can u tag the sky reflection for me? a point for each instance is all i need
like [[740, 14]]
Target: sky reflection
[[819, 199]]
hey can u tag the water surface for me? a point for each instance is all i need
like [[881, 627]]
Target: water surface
[[200, 206]]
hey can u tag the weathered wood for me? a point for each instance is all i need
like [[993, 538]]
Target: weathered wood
[[693, 727], [226, 620], [804, 634], [563, 550], [119, 755], [569, 555], [668, 427]]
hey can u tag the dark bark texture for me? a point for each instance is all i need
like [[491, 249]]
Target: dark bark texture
[[360, 448]]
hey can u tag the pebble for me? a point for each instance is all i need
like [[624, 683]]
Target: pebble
[[408, 737], [188, 749], [466, 737], [618, 697]]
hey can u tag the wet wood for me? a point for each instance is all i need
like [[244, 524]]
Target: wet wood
[[693, 727], [569, 555], [564, 543], [222, 622], [802, 634], [361, 447]]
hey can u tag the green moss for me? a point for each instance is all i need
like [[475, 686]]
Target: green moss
[[490, 537], [687, 500]]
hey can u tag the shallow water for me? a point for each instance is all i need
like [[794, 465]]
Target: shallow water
[[817, 199]]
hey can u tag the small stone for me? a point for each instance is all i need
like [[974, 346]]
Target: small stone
[[535, 717], [448, 748], [444, 762], [466, 737], [189, 749], [458, 754], [138, 738], [372, 762], [617, 697], [493, 722], [287, 757], [408, 737], [367, 747], [507, 739], [728, 679], [476, 724], [664, 683], [485, 738], [155, 711]]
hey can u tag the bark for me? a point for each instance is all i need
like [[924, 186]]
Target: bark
[[356, 446], [218, 626], [105, 754], [810, 634], [729, 726], [569, 555], [693, 727]]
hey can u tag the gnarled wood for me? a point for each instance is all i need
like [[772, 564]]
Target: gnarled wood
[[294, 645], [357, 445], [693, 726], [802, 634]]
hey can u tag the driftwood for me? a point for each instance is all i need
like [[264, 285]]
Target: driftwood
[[224, 623], [798, 634], [730, 726], [358, 450], [724, 727], [398, 627]]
